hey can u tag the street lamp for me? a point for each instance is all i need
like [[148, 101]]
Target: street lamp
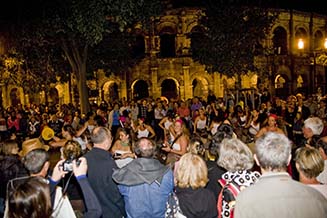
[[313, 54]]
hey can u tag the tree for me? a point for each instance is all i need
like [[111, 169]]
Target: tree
[[231, 36], [76, 26]]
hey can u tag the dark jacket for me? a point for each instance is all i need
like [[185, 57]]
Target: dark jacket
[[100, 168], [196, 203], [10, 167], [214, 174]]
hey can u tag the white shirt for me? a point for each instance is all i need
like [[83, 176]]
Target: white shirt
[[323, 175]]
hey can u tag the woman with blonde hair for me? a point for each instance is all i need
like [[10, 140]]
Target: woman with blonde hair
[[191, 178], [179, 143], [310, 164]]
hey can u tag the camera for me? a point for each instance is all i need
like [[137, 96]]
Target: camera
[[67, 165]]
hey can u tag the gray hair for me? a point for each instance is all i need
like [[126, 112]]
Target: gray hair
[[145, 147], [35, 160], [235, 155], [273, 151], [315, 124]]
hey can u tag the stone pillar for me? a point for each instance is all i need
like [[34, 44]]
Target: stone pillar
[[187, 83], [154, 81], [123, 90], [5, 102], [217, 85]]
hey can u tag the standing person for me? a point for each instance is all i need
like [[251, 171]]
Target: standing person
[[105, 188], [184, 112], [191, 178], [10, 167], [310, 164], [179, 143], [145, 183], [276, 193], [159, 114], [236, 157], [56, 124], [113, 118]]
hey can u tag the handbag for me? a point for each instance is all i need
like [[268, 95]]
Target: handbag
[[172, 207], [62, 206]]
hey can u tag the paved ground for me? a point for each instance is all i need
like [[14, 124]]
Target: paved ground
[[54, 156]]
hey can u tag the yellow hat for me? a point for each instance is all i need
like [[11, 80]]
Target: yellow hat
[[30, 145], [47, 133]]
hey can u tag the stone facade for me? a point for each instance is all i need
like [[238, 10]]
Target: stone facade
[[168, 69]]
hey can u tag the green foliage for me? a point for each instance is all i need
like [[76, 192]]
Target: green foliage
[[231, 37]]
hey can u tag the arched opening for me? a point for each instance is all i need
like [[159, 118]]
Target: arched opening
[[110, 91], [280, 41], [167, 42], [281, 86], [140, 90], [197, 88], [169, 89], [318, 40], [14, 97], [53, 96], [301, 33], [138, 50]]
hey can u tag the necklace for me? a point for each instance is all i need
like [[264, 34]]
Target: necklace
[[124, 143]]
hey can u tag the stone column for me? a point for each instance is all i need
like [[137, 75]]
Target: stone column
[[154, 85], [187, 83]]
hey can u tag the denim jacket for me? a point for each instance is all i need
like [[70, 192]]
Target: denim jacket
[[147, 199]]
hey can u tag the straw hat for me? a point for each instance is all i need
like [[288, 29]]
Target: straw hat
[[30, 145], [47, 133]]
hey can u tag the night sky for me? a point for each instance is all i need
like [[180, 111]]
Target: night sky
[[32, 8]]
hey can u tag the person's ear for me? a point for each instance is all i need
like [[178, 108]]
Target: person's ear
[[45, 168]]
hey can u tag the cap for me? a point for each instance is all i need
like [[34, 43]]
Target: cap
[[47, 133]]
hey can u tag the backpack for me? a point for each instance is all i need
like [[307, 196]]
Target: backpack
[[226, 198]]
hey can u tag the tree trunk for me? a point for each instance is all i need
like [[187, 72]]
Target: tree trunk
[[82, 91], [77, 59]]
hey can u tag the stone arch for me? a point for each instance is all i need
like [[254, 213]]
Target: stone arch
[[61, 93], [318, 41], [14, 95], [167, 42], [200, 86], [167, 25], [279, 40], [191, 25], [169, 87], [53, 96], [302, 33], [138, 47], [140, 89], [110, 91], [281, 82], [284, 70]]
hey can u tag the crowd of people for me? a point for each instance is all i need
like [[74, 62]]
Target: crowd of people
[[156, 158]]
